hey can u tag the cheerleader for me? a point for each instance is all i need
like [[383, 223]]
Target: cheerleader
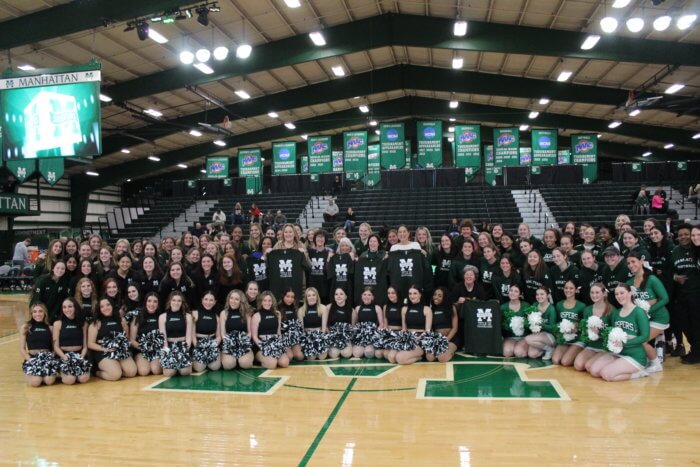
[[314, 317], [445, 323], [368, 318], [234, 328], [146, 339], [649, 288], [86, 297], [490, 268], [589, 242], [550, 240], [630, 362], [392, 319], [252, 292], [291, 326], [132, 304], [105, 261], [514, 343], [176, 325], [70, 343], [176, 256], [265, 332], [508, 247], [630, 242], [602, 309], [207, 335], [194, 256], [416, 319], [572, 310], [339, 325], [71, 248], [109, 345], [51, 289], [122, 273], [71, 269], [35, 346], [541, 343]]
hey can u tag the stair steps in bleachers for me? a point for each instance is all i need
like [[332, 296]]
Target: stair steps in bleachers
[[534, 210], [685, 210], [185, 220], [312, 215]]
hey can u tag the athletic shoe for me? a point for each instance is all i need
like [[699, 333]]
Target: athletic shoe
[[654, 366], [548, 351], [639, 374], [691, 359], [679, 351]]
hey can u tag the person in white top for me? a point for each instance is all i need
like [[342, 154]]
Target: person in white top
[[21, 254], [405, 242]]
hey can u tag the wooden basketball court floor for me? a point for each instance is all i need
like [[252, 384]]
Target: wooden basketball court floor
[[473, 411]]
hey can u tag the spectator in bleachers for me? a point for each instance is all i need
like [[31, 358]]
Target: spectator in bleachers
[[364, 232], [254, 213], [337, 184], [237, 217], [641, 201], [267, 220], [198, 230], [21, 254], [452, 229], [350, 219], [279, 221], [218, 220], [466, 233], [330, 214], [657, 203]]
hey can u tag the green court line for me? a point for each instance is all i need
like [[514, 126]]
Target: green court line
[[329, 421], [294, 386]]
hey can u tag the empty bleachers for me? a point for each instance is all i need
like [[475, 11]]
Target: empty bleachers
[[152, 221]]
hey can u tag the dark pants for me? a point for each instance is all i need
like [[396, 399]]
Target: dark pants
[[329, 218], [687, 314]]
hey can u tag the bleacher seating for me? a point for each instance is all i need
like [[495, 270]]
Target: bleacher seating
[[157, 217]]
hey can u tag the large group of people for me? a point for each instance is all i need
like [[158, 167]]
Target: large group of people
[[607, 300]]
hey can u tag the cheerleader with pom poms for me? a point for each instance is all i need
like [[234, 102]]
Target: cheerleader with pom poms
[[176, 325], [35, 346], [207, 335], [515, 324], [368, 319], [314, 316], [417, 319], [265, 331], [70, 343], [234, 319], [393, 323], [146, 339], [596, 318], [541, 319], [292, 329], [442, 343], [109, 345], [569, 313]]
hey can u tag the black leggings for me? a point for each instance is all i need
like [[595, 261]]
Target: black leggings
[[687, 315]]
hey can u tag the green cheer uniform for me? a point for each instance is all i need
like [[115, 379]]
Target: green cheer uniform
[[654, 290], [505, 310], [549, 322], [636, 325], [574, 315], [599, 345]]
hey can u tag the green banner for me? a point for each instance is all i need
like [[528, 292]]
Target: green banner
[[544, 147], [355, 154], [506, 143], [304, 164], [21, 169], [525, 156], [250, 167], [636, 167], [11, 203], [217, 167], [429, 144], [407, 149], [536, 170], [373, 176], [319, 148], [682, 166], [337, 161], [584, 151], [467, 146], [51, 170], [563, 156], [191, 183], [393, 149], [284, 158], [228, 182], [490, 171]]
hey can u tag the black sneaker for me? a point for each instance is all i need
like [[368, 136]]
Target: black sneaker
[[690, 359], [679, 351]]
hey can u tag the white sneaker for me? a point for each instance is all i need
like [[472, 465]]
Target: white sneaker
[[654, 366], [548, 351], [639, 374]]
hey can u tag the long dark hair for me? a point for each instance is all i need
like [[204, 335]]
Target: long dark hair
[[143, 314], [647, 272], [79, 316]]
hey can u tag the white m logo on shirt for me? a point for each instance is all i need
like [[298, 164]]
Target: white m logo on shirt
[[285, 265], [370, 273], [406, 264]]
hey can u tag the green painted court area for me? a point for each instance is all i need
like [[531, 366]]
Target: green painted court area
[[361, 370], [248, 381]]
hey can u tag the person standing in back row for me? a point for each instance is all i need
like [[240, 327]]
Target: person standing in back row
[[21, 254]]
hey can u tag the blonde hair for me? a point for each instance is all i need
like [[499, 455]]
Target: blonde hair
[[267, 293], [320, 308], [297, 242], [246, 312], [79, 297]]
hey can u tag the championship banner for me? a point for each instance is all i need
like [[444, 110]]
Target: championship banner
[[525, 156], [682, 166], [584, 151], [373, 176], [391, 141], [490, 169], [563, 156], [250, 167], [355, 154], [21, 169], [407, 149], [304, 164], [217, 167], [467, 146], [284, 158], [51, 170], [319, 150], [429, 144], [506, 143], [337, 161], [544, 147]]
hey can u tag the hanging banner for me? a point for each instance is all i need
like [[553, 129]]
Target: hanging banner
[[284, 158], [584, 151], [544, 147], [506, 143], [21, 169], [355, 154], [467, 146], [304, 164], [228, 182], [393, 149], [319, 149], [563, 156], [191, 183], [51, 170], [407, 149], [490, 169], [337, 161], [250, 167], [217, 167], [636, 167], [525, 156], [373, 176], [682, 166], [429, 144]]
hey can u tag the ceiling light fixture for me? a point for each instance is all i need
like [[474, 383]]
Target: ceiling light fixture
[[523, 127], [608, 24], [204, 68], [92, 174], [243, 51], [338, 70], [454, 104], [364, 109], [186, 57], [317, 38], [590, 42], [156, 36], [292, 3], [668, 146], [647, 154], [203, 15], [220, 53], [272, 114], [564, 76], [674, 88], [614, 124], [142, 30], [460, 28], [305, 137], [196, 133], [696, 136], [634, 113], [26, 67], [220, 143], [662, 23], [153, 113], [105, 98], [544, 101], [182, 166], [203, 55], [620, 3], [154, 158], [242, 94], [457, 63], [532, 115], [685, 21], [126, 151], [290, 125], [635, 24]]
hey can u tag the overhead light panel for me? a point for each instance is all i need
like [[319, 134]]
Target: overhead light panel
[[451, 129], [156, 36], [674, 88], [220, 53], [634, 113], [243, 51], [460, 28], [635, 24], [544, 101], [317, 38], [614, 124], [364, 109], [26, 67], [608, 24], [564, 76], [204, 68], [92, 174], [668, 146], [685, 21], [532, 115], [647, 154], [523, 127], [272, 114], [662, 23], [452, 119], [182, 166], [454, 104], [292, 3], [220, 143], [377, 132], [153, 113], [621, 3], [590, 42], [203, 171], [305, 137], [242, 94], [338, 70], [105, 98], [126, 151], [696, 136], [154, 158], [457, 63], [203, 55], [290, 125], [186, 57], [372, 123], [196, 133]]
